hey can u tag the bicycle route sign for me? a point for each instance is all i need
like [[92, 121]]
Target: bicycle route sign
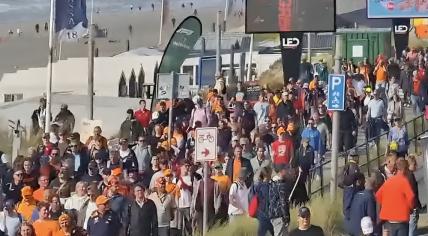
[[206, 144]]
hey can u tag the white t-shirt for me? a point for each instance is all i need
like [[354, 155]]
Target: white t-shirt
[[10, 223], [238, 199], [185, 195], [75, 202]]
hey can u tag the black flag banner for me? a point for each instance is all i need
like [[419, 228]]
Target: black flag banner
[[291, 51], [401, 27]]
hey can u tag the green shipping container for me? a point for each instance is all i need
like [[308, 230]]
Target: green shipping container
[[369, 43]]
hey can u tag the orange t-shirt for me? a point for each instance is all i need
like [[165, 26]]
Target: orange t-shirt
[[237, 165], [313, 85], [381, 74], [26, 209], [45, 227], [223, 182], [38, 194]]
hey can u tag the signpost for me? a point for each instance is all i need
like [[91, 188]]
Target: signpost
[[336, 92], [336, 102], [206, 150]]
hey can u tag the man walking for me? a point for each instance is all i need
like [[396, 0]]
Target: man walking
[[103, 221], [143, 219], [279, 208], [396, 199]]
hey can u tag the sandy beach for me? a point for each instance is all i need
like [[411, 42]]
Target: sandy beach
[[31, 49]]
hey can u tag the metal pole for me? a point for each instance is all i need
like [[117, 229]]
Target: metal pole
[[92, 12], [226, 10], [50, 64], [218, 49], [161, 24], [60, 50], [309, 48], [250, 59], [336, 126], [91, 73], [205, 215], [170, 114]]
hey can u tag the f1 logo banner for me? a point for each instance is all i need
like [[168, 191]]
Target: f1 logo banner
[[401, 29], [291, 51]]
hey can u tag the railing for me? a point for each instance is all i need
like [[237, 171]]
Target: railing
[[368, 153]]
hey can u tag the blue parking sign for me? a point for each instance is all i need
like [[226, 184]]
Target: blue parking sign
[[336, 93]]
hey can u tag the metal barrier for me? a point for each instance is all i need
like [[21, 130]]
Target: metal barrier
[[368, 153]]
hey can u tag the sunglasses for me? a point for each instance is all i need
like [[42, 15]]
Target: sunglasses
[[54, 154], [141, 140], [19, 174]]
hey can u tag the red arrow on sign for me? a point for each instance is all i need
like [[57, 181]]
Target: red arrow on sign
[[205, 152]]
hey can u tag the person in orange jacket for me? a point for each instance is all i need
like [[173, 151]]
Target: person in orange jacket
[[396, 199]]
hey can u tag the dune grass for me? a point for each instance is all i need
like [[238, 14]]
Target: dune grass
[[326, 214]]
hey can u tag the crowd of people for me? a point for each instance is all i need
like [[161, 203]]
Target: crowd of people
[[140, 183]]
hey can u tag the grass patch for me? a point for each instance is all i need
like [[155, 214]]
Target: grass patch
[[324, 213]]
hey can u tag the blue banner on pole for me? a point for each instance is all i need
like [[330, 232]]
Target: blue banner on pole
[[336, 93], [71, 22]]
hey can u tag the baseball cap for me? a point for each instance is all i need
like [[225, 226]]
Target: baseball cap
[[304, 212], [101, 200], [366, 225], [27, 191]]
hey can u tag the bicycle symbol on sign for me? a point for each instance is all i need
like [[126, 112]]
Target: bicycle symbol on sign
[[202, 138]]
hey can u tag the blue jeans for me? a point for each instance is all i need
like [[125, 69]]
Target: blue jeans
[[413, 223], [416, 103], [397, 229], [264, 227]]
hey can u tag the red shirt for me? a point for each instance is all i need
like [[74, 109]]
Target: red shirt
[[282, 151], [143, 117]]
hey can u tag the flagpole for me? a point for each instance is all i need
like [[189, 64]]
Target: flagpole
[[91, 46], [250, 59], [161, 23], [226, 12], [50, 64]]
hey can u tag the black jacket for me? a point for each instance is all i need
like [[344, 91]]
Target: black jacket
[[244, 163], [107, 225], [415, 188], [348, 123], [143, 221]]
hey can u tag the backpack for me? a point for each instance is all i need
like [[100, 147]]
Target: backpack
[[253, 204]]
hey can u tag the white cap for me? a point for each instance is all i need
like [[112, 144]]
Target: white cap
[[366, 225]]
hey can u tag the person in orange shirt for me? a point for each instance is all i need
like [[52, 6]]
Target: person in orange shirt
[[27, 205], [222, 180], [44, 226], [43, 183], [313, 85], [170, 186], [396, 199], [381, 74], [67, 228]]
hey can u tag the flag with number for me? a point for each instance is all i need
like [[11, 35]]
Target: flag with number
[[71, 22]]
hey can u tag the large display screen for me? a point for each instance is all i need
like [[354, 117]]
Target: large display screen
[[273, 16], [397, 8]]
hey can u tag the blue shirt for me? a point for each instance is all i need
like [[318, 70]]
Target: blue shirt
[[314, 137]]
